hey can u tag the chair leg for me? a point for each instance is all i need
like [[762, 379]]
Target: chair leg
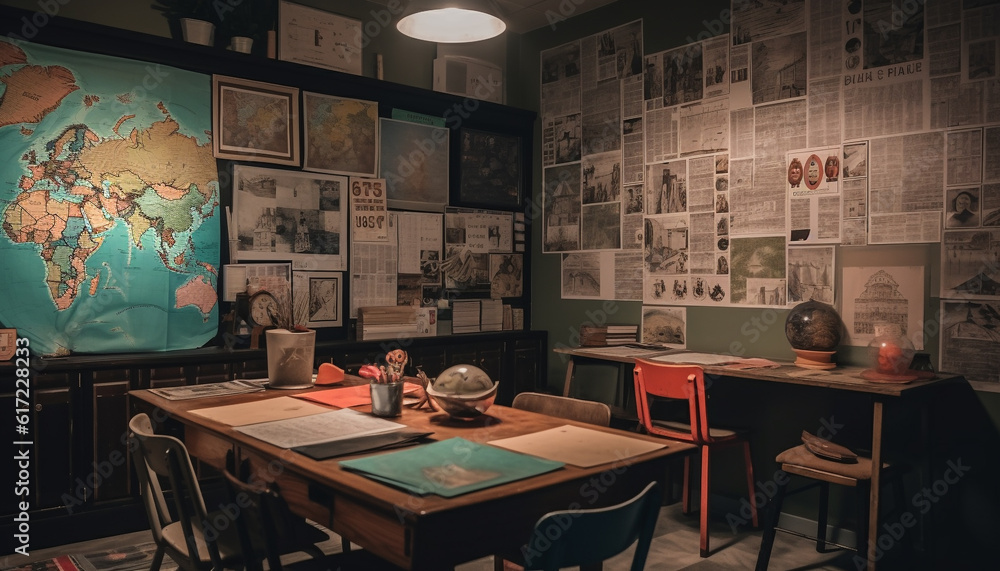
[[770, 528], [686, 487], [753, 500], [864, 495], [157, 559], [824, 502], [705, 456]]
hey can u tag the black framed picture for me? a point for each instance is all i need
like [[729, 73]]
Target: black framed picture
[[489, 170]]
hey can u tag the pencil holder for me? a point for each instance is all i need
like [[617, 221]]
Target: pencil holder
[[387, 399]]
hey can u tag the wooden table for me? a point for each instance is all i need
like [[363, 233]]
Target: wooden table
[[418, 532], [840, 379]]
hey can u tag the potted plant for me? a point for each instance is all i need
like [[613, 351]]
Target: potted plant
[[246, 22], [291, 346], [194, 19]]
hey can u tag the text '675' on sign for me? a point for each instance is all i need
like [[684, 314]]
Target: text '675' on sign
[[369, 214]]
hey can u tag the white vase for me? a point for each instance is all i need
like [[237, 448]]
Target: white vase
[[290, 358], [198, 31]]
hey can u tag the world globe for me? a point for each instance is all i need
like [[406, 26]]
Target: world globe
[[813, 326]]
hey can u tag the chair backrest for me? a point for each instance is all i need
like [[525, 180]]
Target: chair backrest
[[684, 383], [591, 412], [259, 521], [584, 537], [159, 456]]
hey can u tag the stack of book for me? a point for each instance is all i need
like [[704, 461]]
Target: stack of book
[[390, 322], [491, 318], [602, 335], [465, 316]]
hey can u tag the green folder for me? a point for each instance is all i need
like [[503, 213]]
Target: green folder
[[450, 467]]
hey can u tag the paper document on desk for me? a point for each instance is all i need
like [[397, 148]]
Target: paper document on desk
[[261, 410], [697, 359], [624, 351], [319, 428], [578, 446], [236, 387]]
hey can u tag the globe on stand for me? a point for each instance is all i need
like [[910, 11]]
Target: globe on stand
[[813, 330]]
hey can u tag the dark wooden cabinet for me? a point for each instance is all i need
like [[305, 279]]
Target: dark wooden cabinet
[[80, 408]]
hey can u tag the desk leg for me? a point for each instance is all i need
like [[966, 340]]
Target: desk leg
[[876, 488], [569, 377]]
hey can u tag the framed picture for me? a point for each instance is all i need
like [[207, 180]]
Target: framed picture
[[255, 121], [281, 214], [413, 160], [317, 38], [341, 134], [489, 170], [322, 293]]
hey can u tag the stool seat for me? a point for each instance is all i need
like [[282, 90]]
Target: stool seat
[[799, 457]]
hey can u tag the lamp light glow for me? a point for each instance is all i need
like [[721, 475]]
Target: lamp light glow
[[451, 25]]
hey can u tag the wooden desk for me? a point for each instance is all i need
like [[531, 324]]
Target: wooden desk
[[841, 378], [419, 532]]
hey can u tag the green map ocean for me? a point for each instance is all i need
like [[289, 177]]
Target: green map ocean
[[128, 299]]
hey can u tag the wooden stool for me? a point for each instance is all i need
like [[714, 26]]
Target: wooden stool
[[801, 462]]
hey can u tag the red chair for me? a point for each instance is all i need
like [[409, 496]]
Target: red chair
[[686, 383]]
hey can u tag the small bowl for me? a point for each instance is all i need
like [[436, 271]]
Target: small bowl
[[459, 391]]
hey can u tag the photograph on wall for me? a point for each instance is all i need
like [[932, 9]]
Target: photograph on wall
[[665, 326], [318, 38], [855, 163], [778, 68], [255, 121], [665, 244], [561, 80], [582, 276], [811, 274], [419, 235], [883, 301], [600, 226], [561, 139], [109, 250], [757, 271], [413, 160], [962, 206], [602, 177], [322, 293], [561, 208], [489, 170], [619, 52], [506, 275], [970, 264], [682, 75], [753, 21], [666, 187], [970, 340], [341, 134], [291, 215]]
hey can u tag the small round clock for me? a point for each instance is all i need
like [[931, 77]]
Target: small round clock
[[262, 306]]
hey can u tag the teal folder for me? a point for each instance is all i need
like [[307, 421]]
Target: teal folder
[[450, 467]]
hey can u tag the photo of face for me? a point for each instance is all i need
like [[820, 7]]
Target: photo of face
[[832, 168], [795, 173]]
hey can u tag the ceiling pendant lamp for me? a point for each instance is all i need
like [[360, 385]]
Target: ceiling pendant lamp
[[450, 21]]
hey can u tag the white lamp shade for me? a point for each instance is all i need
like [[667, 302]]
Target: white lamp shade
[[451, 24]]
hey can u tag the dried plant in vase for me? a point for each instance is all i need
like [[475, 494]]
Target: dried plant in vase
[[290, 345]]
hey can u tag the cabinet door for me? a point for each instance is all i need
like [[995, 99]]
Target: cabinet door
[[47, 452], [108, 466], [431, 359], [159, 377], [529, 364], [252, 369], [210, 372]]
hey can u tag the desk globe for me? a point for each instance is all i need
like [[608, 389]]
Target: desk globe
[[813, 330], [463, 391]]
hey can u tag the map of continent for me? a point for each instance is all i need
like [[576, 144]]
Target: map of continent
[[108, 203]]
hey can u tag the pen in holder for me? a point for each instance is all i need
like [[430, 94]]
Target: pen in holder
[[387, 398]]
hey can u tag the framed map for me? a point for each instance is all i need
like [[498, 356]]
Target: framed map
[[254, 121], [490, 170], [413, 160], [341, 134]]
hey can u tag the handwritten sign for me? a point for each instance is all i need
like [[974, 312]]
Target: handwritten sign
[[369, 214]]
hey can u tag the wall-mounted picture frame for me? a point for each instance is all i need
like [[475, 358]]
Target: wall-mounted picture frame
[[340, 133], [323, 293], [255, 121], [318, 38], [489, 170], [413, 160]]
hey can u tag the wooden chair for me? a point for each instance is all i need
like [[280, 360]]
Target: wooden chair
[[588, 537], [685, 384], [800, 461], [263, 523], [591, 412], [183, 537]]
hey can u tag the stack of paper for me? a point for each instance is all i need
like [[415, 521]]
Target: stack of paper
[[599, 335], [390, 322], [492, 315], [465, 316]]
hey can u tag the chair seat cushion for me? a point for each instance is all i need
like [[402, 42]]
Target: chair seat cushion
[[801, 456], [715, 433]]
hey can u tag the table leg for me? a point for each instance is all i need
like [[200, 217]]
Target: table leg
[[569, 377], [876, 488]]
